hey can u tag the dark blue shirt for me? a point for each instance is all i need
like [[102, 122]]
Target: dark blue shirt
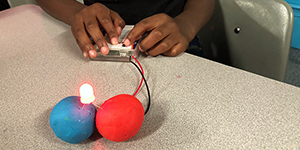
[[132, 11]]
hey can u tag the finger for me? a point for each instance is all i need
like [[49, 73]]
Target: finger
[[106, 22], [139, 29], [155, 36], [92, 27], [176, 49], [118, 22], [163, 46], [82, 39]]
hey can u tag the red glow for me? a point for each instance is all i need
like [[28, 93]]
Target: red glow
[[86, 94]]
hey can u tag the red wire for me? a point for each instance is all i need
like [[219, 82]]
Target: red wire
[[142, 77]]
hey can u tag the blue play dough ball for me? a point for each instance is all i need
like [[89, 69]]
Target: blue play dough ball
[[72, 123]]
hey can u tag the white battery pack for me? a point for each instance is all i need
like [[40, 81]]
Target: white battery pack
[[119, 52]]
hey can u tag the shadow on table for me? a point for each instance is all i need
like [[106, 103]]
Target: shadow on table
[[43, 128], [94, 137], [153, 120]]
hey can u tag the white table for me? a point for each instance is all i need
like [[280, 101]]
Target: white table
[[196, 103]]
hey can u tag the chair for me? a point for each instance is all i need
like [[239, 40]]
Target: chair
[[253, 35]]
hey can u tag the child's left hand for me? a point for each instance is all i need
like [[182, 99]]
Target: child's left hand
[[166, 36]]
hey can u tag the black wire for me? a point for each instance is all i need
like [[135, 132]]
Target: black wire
[[147, 109]]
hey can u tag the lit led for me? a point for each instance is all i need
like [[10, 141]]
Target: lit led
[[86, 94]]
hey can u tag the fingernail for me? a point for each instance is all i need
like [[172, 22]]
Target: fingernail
[[92, 53], [119, 30], [114, 41], [104, 50], [141, 48], [85, 54], [127, 42]]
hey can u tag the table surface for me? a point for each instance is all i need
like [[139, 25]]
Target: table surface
[[196, 103]]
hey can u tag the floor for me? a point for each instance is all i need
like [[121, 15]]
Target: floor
[[293, 69]]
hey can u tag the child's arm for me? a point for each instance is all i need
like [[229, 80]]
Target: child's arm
[[171, 36]]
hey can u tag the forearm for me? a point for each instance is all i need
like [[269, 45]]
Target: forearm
[[195, 15], [63, 10]]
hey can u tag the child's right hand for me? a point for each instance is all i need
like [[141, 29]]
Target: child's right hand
[[87, 23]]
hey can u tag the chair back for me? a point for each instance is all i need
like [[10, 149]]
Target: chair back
[[253, 35]]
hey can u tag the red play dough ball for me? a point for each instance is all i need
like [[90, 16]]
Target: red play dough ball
[[120, 118]]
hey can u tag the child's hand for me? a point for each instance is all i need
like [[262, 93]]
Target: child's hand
[[165, 36], [87, 23]]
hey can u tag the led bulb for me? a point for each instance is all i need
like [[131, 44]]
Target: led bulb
[[86, 94]]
